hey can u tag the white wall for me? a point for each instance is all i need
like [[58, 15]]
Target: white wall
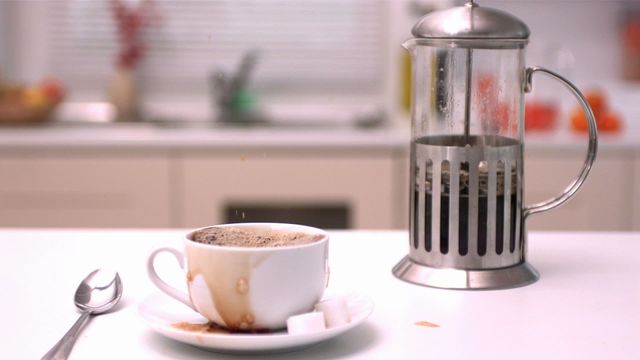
[[5, 59], [23, 46], [587, 28]]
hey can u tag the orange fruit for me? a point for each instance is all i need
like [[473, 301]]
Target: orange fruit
[[597, 101], [606, 120], [579, 120], [610, 122]]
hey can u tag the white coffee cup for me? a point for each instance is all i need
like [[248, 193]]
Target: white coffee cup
[[250, 288]]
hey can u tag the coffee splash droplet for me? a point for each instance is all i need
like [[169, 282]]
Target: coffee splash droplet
[[248, 319], [242, 287], [427, 324]]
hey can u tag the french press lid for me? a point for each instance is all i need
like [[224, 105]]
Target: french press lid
[[472, 26]]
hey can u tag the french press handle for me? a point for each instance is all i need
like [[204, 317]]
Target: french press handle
[[591, 150]]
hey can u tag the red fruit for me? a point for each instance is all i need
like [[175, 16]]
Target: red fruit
[[579, 121], [502, 116], [486, 85], [597, 101], [52, 89], [540, 115]]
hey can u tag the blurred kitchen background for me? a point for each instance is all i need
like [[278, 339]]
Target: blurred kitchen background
[[168, 113]]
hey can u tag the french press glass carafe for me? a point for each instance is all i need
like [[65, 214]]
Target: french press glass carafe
[[467, 222]]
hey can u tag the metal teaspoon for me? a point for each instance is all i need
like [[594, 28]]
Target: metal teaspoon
[[92, 298]]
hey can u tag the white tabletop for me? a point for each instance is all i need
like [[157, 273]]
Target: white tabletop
[[585, 306]]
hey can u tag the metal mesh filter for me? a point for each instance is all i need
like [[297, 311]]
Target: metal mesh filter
[[467, 224], [465, 208]]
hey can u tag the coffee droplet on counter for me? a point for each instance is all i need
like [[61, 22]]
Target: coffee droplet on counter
[[242, 287], [427, 324]]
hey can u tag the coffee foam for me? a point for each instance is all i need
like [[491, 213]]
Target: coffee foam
[[252, 237]]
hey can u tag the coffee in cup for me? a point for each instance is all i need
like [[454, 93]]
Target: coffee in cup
[[241, 236], [250, 276]]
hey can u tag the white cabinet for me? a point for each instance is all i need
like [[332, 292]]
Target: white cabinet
[[602, 203], [80, 189], [362, 183], [636, 194], [192, 188]]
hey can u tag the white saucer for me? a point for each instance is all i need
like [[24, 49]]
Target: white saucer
[[161, 311]]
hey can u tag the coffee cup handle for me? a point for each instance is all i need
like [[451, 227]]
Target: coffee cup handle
[[161, 284]]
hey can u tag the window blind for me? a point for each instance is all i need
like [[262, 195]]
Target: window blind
[[302, 45]]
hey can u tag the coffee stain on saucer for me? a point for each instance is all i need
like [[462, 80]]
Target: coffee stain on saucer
[[213, 328], [200, 328], [427, 324]]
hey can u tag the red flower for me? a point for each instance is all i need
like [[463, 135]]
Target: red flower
[[130, 21]]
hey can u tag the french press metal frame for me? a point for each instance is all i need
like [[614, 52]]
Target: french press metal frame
[[452, 269]]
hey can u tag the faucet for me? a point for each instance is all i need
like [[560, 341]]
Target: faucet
[[230, 94]]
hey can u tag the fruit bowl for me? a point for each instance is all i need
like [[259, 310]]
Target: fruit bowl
[[19, 114], [22, 105]]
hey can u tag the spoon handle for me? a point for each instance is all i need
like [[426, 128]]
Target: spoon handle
[[62, 348]]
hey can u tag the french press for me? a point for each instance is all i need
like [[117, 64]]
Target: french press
[[467, 218]]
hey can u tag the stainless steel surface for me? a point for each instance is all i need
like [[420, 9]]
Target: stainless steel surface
[[482, 25], [591, 150], [467, 224], [473, 237], [92, 298], [449, 278]]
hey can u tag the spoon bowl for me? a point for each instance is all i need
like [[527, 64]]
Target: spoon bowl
[[97, 293]]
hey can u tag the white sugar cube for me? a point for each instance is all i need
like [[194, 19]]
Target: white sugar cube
[[306, 323], [335, 310]]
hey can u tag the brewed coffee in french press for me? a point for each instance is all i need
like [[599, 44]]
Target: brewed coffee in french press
[[467, 218]]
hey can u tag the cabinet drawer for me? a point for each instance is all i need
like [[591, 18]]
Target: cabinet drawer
[[636, 195], [601, 204], [84, 191], [360, 184]]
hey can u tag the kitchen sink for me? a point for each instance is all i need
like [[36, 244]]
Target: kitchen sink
[[100, 115]]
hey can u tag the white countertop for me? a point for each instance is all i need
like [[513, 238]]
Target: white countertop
[[146, 136], [585, 306]]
